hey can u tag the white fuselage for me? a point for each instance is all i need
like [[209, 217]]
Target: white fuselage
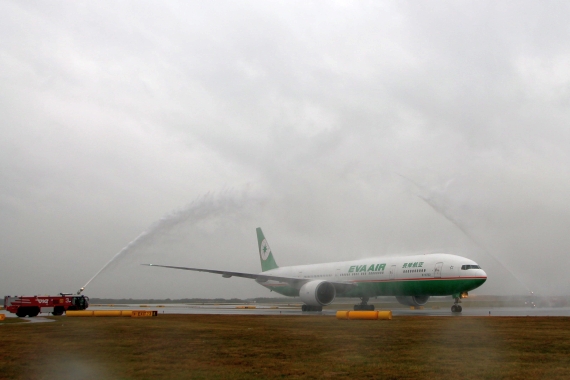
[[419, 270]]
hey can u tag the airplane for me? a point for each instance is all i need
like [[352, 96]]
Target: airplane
[[411, 279]]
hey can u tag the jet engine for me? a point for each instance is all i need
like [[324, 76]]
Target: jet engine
[[317, 293], [412, 300]]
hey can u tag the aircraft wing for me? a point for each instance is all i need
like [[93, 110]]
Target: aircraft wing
[[295, 282]]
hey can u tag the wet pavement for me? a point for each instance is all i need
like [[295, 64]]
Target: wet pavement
[[287, 309], [290, 310]]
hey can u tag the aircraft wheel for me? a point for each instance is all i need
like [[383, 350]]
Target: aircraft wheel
[[459, 309], [454, 308], [361, 307]]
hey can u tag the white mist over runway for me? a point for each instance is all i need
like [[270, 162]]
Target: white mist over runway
[[440, 201]]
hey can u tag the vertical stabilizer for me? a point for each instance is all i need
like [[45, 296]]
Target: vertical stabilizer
[[265, 254]]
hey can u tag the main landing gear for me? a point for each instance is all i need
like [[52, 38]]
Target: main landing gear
[[311, 308], [456, 308], [364, 305]]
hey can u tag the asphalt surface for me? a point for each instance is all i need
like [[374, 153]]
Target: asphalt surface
[[296, 310]]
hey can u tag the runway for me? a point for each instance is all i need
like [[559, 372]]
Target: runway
[[291, 310], [287, 309]]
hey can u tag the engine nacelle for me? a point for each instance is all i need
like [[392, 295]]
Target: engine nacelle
[[317, 293], [412, 300]]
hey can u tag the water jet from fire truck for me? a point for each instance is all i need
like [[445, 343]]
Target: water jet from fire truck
[[202, 208]]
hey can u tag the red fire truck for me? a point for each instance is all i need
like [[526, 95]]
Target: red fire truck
[[33, 305]]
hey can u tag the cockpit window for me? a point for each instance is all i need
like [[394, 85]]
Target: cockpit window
[[465, 267]]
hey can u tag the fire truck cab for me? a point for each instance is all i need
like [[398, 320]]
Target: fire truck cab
[[31, 306]]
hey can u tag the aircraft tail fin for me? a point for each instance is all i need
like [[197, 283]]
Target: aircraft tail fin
[[265, 254]]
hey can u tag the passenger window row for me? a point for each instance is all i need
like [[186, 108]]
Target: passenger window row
[[414, 270]]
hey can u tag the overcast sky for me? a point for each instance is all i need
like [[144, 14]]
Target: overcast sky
[[344, 129]]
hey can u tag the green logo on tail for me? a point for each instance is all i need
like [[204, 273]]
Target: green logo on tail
[[267, 260], [264, 250]]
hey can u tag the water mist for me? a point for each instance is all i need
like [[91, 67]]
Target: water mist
[[434, 200], [203, 208]]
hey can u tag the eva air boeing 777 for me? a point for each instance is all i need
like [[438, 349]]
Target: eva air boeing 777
[[411, 279]]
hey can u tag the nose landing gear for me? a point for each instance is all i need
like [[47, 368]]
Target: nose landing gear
[[456, 308]]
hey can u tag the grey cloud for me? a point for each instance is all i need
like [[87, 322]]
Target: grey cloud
[[115, 114]]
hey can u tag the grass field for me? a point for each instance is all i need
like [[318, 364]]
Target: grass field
[[259, 347]]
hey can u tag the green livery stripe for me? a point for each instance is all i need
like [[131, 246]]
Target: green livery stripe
[[432, 287], [410, 287]]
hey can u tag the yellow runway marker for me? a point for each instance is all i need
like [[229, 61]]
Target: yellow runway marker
[[366, 315]]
